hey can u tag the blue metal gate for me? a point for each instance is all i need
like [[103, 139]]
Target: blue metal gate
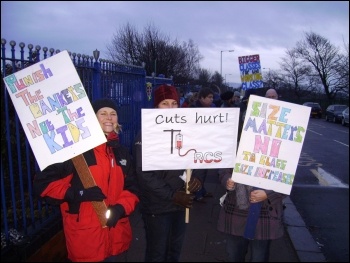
[[24, 217]]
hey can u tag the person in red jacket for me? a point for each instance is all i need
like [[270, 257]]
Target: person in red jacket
[[111, 167]]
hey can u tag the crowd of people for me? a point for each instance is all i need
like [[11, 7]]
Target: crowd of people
[[162, 195]]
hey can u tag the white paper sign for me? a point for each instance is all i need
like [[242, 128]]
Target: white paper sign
[[54, 110], [189, 138], [272, 138]]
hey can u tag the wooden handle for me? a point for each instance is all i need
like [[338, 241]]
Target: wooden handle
[[88, 181], [188, 178]]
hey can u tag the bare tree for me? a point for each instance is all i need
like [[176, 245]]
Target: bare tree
[[297, 73], [126, 43], [322, 56], [217, 79], [158, 51], [275, 79], [193, 57], [342, 68], [204, 77]]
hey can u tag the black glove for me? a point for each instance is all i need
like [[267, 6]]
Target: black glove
[[183, 199], [115, 213], [194, 185], [90, 194]]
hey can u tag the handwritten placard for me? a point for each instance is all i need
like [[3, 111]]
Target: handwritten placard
[[271, 141], [250, 70], [189, 138], [54, 110]]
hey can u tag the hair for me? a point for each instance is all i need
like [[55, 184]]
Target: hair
[[118, 128], [110, 103], [227, 95], [193, 98], [205, 92]]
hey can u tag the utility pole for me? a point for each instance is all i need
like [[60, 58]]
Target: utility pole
[[221, 59]]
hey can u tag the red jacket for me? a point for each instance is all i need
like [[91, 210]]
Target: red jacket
[[86, 240]]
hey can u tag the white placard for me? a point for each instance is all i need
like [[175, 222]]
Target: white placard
[[54, 110], [270, 146], [189, 138]]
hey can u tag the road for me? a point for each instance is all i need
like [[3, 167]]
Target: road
[[320, 191]]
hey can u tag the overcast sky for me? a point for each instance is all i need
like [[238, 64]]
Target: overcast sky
[[249, 28]]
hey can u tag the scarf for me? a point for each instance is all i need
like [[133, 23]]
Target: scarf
[[242, 196], [112, 139]]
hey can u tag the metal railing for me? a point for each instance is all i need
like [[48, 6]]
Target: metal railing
[[23, 216]]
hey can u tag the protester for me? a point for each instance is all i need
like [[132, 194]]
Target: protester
[[233, 217], [237, 99], [227, 99], [271, 94], [233, 99], [217, 99], [186, 102], [163, 198], [237, 103], [112, 170], [205, 99], [234, 213], [181, 96], [190, 99]]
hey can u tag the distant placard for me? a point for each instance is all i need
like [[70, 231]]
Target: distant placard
[[250, 70], [189, 138], [54, 110], [271, 141]]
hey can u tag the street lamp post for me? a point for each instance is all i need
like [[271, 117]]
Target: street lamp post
[[225, 79], [269, 76], [221, 59]]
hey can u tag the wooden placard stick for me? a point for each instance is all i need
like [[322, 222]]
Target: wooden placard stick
[[88, 181], [188, 178]]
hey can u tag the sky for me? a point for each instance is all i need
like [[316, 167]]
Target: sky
[[265, 28]]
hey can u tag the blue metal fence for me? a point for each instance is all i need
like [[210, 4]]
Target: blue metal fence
[[22, 215]]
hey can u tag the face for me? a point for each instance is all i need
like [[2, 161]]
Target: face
[[207, 101], [108, 119], [271, 95], [168, 103]]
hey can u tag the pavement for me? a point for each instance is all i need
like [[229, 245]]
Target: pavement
[[203, 243]]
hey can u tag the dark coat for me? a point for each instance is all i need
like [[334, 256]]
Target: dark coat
[[157, 187]]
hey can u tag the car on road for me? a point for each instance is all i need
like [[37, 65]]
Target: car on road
[[345, 117], [334, 112], [316, 110]]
